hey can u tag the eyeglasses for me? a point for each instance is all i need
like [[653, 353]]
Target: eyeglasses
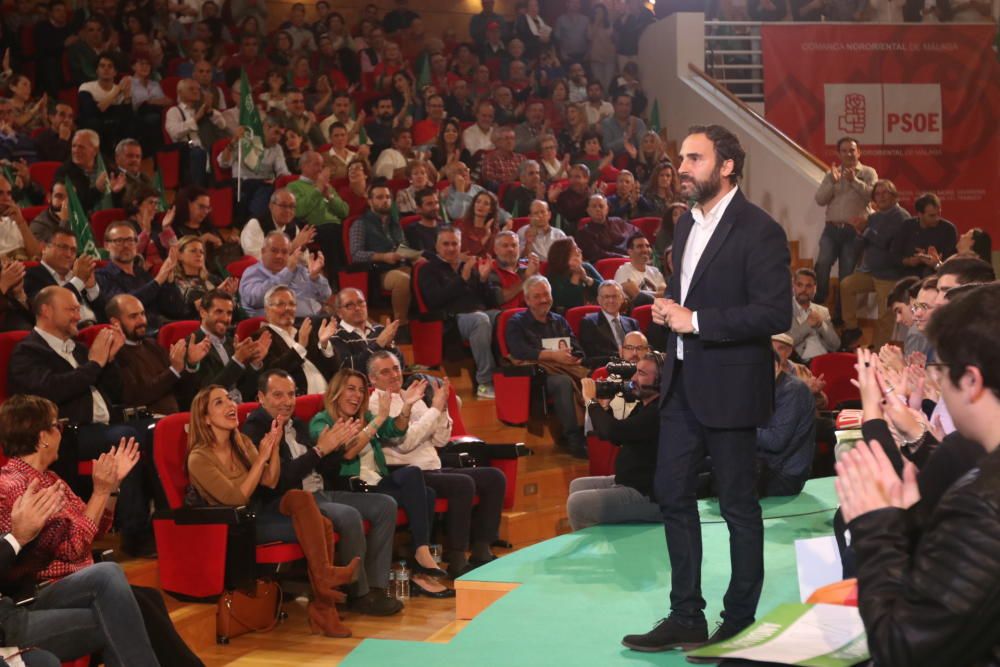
[[635, 348], [920, 308], [124, 241], [352, 305]]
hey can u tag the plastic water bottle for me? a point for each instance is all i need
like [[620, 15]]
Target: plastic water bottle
[[403, 581], [390, 591]]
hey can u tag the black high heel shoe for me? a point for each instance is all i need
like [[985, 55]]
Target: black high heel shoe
[[417, 589]]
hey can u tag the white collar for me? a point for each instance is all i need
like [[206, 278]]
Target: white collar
[[55, 274], [58, 344], [712, 217], [362, 331]]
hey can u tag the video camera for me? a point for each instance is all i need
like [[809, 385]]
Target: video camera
[[619, 381]]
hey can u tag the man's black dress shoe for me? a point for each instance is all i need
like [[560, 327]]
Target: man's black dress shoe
[[668, 634]]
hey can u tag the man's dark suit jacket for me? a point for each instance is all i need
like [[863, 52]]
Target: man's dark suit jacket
[[284, 357], [597, 339], [229, 375], [35, 368], [38, 278], [353, 351], [89, 196], [741, 291], [293, 471]]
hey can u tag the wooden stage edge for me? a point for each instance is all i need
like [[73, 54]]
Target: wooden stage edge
[[472, 597]]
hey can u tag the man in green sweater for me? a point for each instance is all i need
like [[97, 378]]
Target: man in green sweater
[[317, 202]]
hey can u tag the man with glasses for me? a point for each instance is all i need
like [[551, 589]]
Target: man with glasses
[[281, 207], [124, 274], [60, 266], [282, 264], [301, 120], [602, 334], [357, 339], [305, 352]]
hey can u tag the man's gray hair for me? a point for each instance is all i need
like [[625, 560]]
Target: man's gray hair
[[533, 281], [342, 293], [274, 195], [504, 234], [95, 139], [378, 355], [269, 294], [274, 234], [125, 143], [610, 283], [525, 165]]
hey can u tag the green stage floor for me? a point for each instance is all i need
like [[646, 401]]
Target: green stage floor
[[580, 593]]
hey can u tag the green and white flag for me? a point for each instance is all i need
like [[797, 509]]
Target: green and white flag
[[654, 117], [158, 184], [80, 224], [105, 202], [252, 145]]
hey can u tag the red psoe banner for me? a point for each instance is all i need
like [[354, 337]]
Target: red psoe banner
[[923, 101]]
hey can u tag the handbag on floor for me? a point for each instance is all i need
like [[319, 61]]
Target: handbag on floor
[[238, 612]]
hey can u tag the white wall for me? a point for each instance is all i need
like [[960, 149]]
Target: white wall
[[775, 176]]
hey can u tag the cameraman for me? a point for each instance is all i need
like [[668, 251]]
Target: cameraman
[[626, 496]]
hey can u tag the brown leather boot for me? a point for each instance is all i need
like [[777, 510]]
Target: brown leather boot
[[312, 529]]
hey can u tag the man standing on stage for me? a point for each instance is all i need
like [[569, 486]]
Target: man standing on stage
[[732, 294]]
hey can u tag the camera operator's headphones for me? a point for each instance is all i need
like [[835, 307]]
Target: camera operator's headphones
[[657, 358]]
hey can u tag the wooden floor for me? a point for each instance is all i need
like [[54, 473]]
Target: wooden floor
[[538, 514]]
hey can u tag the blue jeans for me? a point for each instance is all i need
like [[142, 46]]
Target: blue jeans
[[838, 245], [477, 328], [89, 611], [348, 511]]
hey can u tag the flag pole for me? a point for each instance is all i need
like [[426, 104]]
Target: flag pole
[[239, 168]]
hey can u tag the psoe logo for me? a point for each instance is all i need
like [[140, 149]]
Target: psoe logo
[[894, 114]]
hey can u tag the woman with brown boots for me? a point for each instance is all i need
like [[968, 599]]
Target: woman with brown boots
[[226, 469]]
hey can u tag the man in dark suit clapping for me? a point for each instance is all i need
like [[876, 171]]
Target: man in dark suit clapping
[[731, 293], [602, 334]]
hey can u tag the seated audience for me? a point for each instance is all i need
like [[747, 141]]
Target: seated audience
[[281, 216], [501, 165], [602, 334], [963, 271], [106, 106], [458, 195], [533, 336], [422, 234], [899, 301], [574, 281], [316, 201], [128, 163], [195, 123], [347, 398], [603, 237], [880, 267], [628, 202], [640, 280], [89, 182], [259, 169], [812, 330], [193, 279], [306, 352], [227, 469], [571, 203], [127, 624], [787, 443], [537, 237], [459, 289], [517, 200], [479, 136], [509, 270], [376, 238], [927, 239], [15, 307], [784, 345], [393, 162], [152, 377], [55, 216], [479, 225], [467, 524], [61, 266], [975, 243], [124, 274], [85, 384], [626, 496], [280, 265], [16, 239], [880, 510], [315, 470], [622, 130], [357, 338], [420, 177]]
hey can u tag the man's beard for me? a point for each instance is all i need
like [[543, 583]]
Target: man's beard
[[702, 191], [137, 334]]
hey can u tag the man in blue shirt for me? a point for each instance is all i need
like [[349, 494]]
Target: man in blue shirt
[[281, 266]]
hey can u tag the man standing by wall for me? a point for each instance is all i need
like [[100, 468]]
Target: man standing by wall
[[731, 294]]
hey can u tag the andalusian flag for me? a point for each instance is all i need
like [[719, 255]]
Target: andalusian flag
[[362, 136], [424, 78], [158, 184], [559, 222], [252, 143], [394, 211], [654, 117], [444, 213], [516, 211], [80, 225], [106, 202]]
